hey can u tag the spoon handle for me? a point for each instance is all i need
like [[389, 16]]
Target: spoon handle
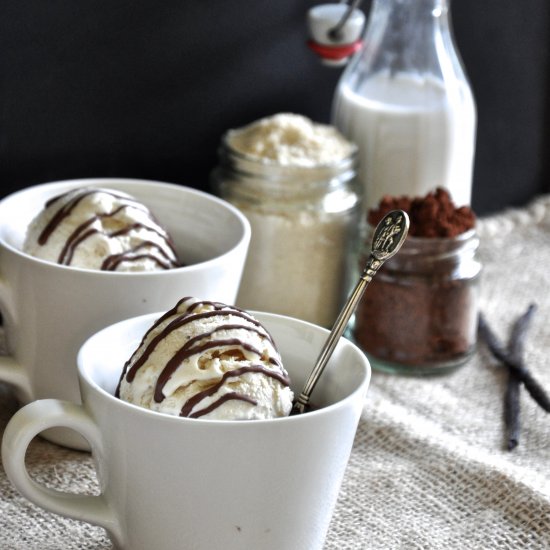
[[388, 237]]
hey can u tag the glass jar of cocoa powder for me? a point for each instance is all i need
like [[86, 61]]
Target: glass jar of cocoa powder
[[419, 314]]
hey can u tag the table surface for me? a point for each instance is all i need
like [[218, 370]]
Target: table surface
[[429, 468]]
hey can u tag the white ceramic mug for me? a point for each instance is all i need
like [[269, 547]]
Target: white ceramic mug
[[171, 482], [50, 309]]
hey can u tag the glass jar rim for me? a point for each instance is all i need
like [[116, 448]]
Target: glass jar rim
[[464, 236], [435, 247]]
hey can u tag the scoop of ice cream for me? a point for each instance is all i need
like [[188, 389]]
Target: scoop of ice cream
[[207, 360], [96, 228]]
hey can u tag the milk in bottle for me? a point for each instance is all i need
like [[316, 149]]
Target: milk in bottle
[[405, 101]]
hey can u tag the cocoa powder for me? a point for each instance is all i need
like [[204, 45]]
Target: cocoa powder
[[420, 312], [434, 215]]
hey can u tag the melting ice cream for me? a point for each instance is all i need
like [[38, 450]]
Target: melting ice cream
[[95, 228], [208, 360]]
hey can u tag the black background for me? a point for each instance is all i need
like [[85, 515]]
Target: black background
[[146, 88]]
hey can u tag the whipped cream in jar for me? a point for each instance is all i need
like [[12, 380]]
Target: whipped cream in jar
[[295, 181]]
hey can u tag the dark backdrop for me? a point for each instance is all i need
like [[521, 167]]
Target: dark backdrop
[[138, 88]]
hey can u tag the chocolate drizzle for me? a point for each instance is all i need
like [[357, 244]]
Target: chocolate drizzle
[[229, 344], [225, 397], [236, 373], [219, 346], [163, 254], [66, 210], [110, 263]]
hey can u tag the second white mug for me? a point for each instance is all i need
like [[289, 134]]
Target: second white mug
[[49, 309]]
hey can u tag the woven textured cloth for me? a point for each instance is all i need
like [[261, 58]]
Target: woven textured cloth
[[429, 468]]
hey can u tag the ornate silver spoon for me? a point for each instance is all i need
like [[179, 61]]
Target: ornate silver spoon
[[388, 237]]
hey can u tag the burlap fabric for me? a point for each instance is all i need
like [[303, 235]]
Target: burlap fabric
[[429, 469]]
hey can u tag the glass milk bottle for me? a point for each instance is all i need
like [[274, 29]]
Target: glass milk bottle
[[404, 99]]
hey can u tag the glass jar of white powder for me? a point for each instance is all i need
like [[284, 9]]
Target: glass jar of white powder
[[295, 182]]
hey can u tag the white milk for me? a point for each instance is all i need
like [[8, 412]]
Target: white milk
[[412, 134]]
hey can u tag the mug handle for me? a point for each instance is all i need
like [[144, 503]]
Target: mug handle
[[11, 371], [22, 428]]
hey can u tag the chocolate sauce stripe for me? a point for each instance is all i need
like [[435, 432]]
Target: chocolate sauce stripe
[[186, 352], [88, 191], [224, 327], [161, 319], [66, 255], [65, 210], [178, 322], [68, 247], [227, 397], [218, 306], [62, 213], [110, 263], [135, 258], [74, 236], [79, 235], [229, 310], [191, 403], [166, 315], [157, 229]]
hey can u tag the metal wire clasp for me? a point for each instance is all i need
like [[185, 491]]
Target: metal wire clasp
[[335, 31]]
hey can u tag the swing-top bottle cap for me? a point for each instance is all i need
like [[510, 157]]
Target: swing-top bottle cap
[[335, 31]]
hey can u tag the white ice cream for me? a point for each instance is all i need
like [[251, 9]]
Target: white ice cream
[[207, 360], [103, 229]]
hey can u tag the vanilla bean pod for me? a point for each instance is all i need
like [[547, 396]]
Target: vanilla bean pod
[[517, 340], [512, 404], [512, 410], [512, 394], [536, 391], [518, 373]]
